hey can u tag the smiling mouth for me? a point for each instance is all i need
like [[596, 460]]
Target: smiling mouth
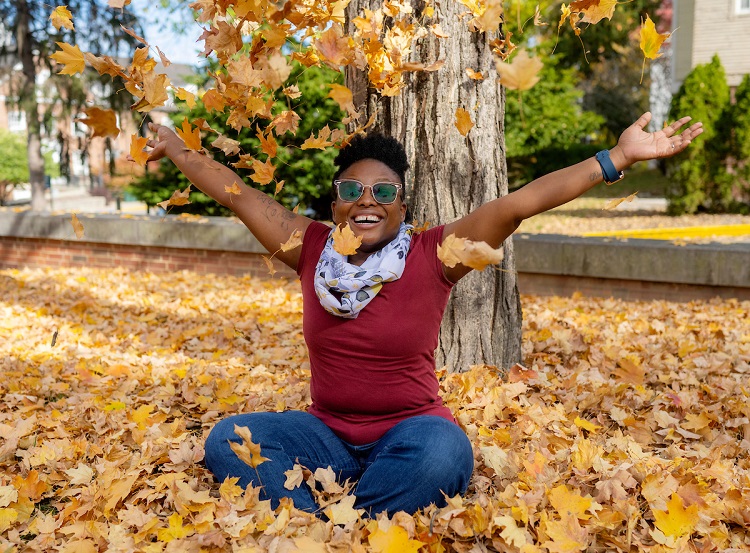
[[367, 219]]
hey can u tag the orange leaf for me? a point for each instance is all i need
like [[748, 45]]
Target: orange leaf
[[177, 198], [343, 97], [104, 65], [135, 36], [164, 59], [612, 204], [154, 92], [295, 240], [476, 75], [320, 142], [234, 189], [61, 17], [463, 121], [70, 57], [269, 264], [344, 240], [102, 121], [187, 97], [521, 73], [476, 255], [137, 143], [213, 100], [594, 10], [651, 40], [191, 136], [263, 171], [334, 48], [227, 145], [267, 143], [286, 121], [77, 226]]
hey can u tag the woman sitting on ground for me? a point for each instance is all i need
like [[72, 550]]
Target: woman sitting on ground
[[371, 320]]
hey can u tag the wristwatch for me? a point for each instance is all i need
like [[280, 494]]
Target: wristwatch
[[609, 171]]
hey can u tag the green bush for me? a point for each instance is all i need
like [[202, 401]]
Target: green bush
[[307, 173], [699, 178], [740, 117], [546, 128]]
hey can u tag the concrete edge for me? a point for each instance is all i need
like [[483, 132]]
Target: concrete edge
[[713, 264]]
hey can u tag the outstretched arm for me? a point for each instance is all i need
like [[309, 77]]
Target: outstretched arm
[[270, 222], [494, 221]]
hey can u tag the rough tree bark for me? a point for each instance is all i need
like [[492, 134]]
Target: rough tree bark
[[452, 175], [30, 106]]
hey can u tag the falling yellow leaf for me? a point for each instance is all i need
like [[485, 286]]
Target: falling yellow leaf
[[463, 121], [522, 73], [191, 136], [476, 255], [227, 145], [77, 226], [612, 204], [651, 41], [344, 240], [263, 171], [269, 265], [61, 17], [294, 241], [593, 11], [70, 57], [186, 96], [137, 145], [247, 451], [234, 189], [102, 121], [177, 198]]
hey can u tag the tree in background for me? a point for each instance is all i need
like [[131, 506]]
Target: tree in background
[[33, 39], [546, 127], [740, 117], [14, 163], [307, 174], [699, 180]]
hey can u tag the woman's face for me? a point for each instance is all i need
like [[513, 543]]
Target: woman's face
[[376, 223]]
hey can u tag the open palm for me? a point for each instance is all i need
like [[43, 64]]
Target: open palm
[[637, 144]]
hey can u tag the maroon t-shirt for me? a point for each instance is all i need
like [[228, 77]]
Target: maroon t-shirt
[[374, 371]]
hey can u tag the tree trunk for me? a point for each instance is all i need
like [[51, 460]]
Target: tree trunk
[[31, 107], [453, 175]]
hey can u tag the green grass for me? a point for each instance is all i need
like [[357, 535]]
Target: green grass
[[649, 183]]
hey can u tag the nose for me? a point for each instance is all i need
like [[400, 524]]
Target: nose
[[367, 198]]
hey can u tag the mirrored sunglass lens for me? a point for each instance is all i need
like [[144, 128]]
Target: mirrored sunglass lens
[[350, 190], [384, 192]]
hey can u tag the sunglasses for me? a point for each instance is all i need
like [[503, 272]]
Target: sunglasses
[[351, 190]]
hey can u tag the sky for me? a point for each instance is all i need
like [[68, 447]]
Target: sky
[[159, 28]]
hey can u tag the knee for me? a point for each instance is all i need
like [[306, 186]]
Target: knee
[[217, 442], [449, 459]]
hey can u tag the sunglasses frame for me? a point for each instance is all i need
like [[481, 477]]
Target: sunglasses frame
[[337, 182]]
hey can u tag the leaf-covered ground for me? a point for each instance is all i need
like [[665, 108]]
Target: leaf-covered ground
[[627, 430]]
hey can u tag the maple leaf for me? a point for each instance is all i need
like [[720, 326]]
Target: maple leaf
[[269, 265], [61, 17], [586, 425], [651, 41], [80, 475], [567, 535], [511, 534], [177, 198], [491, 18], [342, 95], [286, 121], [294, 477], [247, 451], [344, 240], [263, 171], [334, 48], [77, 226], [175, 530], [569, 502], [476, 255], [395, 540], [677, 520], [163, 58], [594, 10], [190, 136], [186, 96], [154, 92], [463, 121], [134, 35], [104, 65], [102, 121], [268, 143], [294, 241], [522, 73], [227, 145], [612, 204], [321, 141], [70, 57], [213, 100], [137, 145], [234, 189]]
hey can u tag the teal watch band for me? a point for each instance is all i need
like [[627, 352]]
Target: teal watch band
[[609, 171]]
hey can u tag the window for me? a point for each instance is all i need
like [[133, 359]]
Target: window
[[743, 6], [16, 121]]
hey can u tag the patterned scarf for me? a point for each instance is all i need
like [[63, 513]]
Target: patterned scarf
[[345, 289]]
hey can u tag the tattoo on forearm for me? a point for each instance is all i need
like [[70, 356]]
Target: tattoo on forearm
[[596, 175], [272, 210]]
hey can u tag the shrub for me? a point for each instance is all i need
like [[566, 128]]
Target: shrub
[[699, 178]]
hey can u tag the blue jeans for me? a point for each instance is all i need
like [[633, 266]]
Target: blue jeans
[[407, 469]]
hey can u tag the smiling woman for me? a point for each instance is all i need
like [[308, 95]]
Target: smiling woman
[[371, 320]]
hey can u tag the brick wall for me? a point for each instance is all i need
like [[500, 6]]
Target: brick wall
[[17, 252]]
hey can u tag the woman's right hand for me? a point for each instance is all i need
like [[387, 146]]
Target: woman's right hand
[[165, 144]]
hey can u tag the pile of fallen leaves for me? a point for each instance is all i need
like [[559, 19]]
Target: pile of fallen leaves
[[627, 429]]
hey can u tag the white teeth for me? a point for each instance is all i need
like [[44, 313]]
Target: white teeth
[[367, 219]]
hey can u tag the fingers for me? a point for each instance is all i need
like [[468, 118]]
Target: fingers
[[643, 120]]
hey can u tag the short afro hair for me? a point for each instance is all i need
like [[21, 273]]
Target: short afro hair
[[375, 146]]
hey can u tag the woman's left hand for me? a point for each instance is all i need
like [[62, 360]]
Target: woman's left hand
[[637, 144]]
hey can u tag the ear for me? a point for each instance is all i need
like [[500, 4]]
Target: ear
[[333, 212], [403, 212]]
